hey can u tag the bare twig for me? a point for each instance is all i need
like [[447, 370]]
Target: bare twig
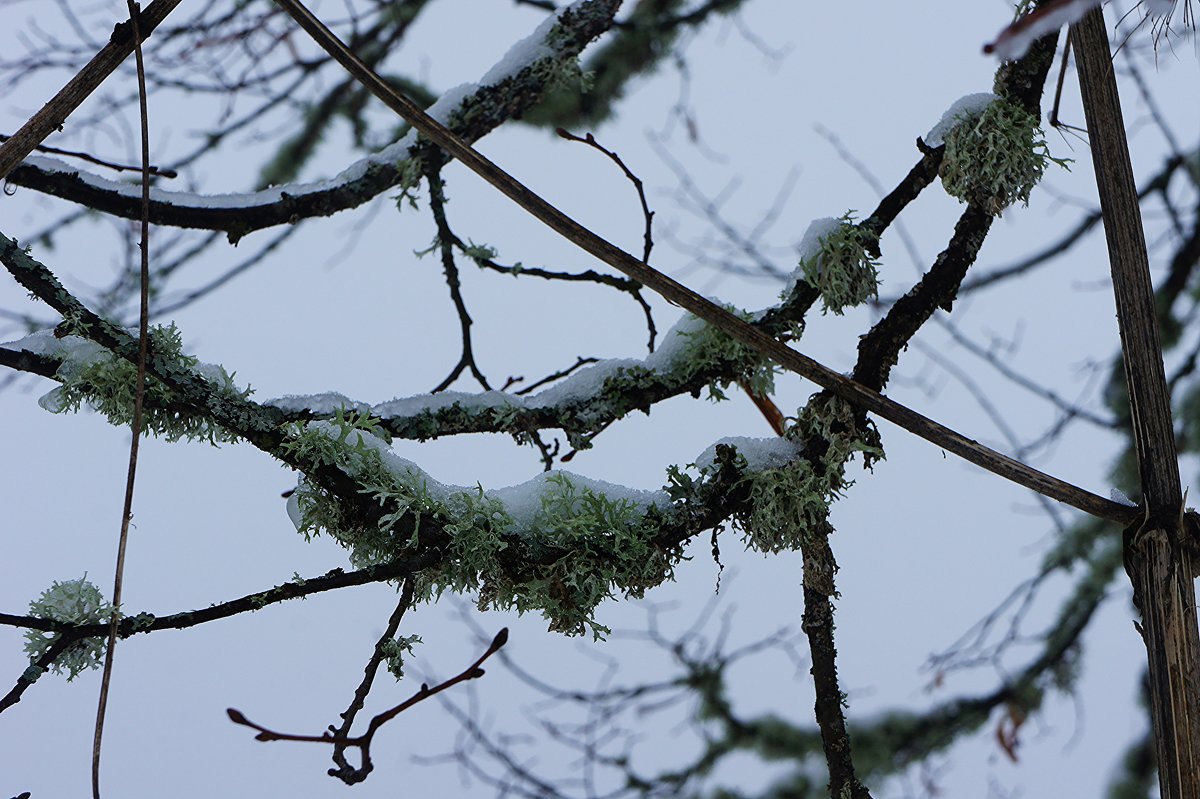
[[346, 772], [54, 113], [139, 395], [91, 159], [647, 214], [363, 742]]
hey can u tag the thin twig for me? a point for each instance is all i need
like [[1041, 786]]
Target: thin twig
[[647, 214], [52, 115], [346, 772], [91, 159], [139, 395], [363, 742]]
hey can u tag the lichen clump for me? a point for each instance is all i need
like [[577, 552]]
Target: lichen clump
[[840, 264], [709, 349], [993, 159], [72, 602], [576, 549], [788, 503], [107, 383]]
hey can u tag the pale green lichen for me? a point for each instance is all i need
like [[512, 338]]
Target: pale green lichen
[[788, 503], [72, 602], [709, 349], [396, 649], [843, 268], [107, 384], [345, 442], [408, 178], [579, 548], [995, 158]]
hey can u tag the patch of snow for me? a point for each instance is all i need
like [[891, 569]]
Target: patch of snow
[[319, 404], [965, 107], [421, 403], [581, 385], [75, 350], [760, 453], [1121, 498], [810, 245], [675, 343], [523, 501]]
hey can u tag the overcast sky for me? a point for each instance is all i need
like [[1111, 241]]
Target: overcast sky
[[927, 544]]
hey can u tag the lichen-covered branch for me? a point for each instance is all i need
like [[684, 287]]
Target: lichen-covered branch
[[471, 111]]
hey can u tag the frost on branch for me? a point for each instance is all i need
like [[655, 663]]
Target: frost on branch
[[72, 602]]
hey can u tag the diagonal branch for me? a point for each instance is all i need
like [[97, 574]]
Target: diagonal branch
[[52, 115], [679, 294]]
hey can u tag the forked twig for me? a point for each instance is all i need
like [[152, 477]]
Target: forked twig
[[363, 742]]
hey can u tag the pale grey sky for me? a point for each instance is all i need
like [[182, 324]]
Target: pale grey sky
[[927, 544]]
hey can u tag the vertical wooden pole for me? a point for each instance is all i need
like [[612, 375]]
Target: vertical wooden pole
[[1159, 550]]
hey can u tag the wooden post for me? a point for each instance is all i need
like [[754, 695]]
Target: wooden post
[[1160, 549]]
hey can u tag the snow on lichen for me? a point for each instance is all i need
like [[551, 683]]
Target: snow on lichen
[[790, 502], [598, 538], [962, 110], [72, 602], [836, 259], [91, 375], [994, 158], [758, 453]]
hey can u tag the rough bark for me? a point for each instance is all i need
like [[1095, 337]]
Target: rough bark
[[1159, 550]]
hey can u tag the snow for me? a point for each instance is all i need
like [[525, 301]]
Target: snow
[[760, 453], [519, 56], [523, 502], [578, 387], [584, 384], [77, 350], [965, 107], [1121, 498], [526, 51], [1015, 40], [324, 404], [810, 245], [675, 343], [77, 353], [421, 403]]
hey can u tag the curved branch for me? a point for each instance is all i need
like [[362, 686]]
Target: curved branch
[[471, 111]]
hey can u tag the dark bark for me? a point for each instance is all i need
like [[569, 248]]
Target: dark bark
[[1159, 550]]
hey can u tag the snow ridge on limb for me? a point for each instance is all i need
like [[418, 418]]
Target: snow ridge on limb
[[515, 82]]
